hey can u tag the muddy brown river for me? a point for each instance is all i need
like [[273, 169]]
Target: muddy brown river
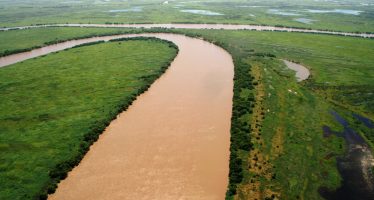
[[172, 143]]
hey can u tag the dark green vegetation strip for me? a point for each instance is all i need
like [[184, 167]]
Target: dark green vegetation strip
[[54, 107]]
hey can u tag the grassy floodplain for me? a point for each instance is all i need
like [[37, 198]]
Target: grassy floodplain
[[55, 106], [346, 15], [277, 150]]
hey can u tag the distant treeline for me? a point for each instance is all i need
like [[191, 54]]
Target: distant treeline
[[60, 171]]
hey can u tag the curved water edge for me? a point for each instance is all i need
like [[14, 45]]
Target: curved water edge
[[172, 142], [302, 73], [19, 57], [202, 26]]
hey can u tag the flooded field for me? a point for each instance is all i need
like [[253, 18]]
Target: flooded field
[[172, 143]]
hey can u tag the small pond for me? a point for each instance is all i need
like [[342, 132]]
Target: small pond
[[202, 12], [305, 20], [133, 9], [339, 11], [280, 12]]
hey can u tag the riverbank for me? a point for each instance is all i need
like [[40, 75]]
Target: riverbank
[[211, 133], [173, 142], [54, 107]]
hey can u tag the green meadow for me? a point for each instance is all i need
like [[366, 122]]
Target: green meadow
[[55, 106]]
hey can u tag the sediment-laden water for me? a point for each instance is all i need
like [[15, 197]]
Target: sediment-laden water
[[172, 143]]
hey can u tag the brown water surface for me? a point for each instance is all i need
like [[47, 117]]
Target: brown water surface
[[172, 143]]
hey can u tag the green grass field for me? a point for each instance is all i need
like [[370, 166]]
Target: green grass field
[[54, 107], [277, 150], [282, 12]]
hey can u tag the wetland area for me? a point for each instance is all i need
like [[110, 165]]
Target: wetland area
[[186, 100]]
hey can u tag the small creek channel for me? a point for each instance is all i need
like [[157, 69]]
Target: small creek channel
[[173, 141]]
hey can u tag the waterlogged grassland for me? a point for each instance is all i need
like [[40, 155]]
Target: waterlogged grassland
[[52, 108], [284, 12]]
